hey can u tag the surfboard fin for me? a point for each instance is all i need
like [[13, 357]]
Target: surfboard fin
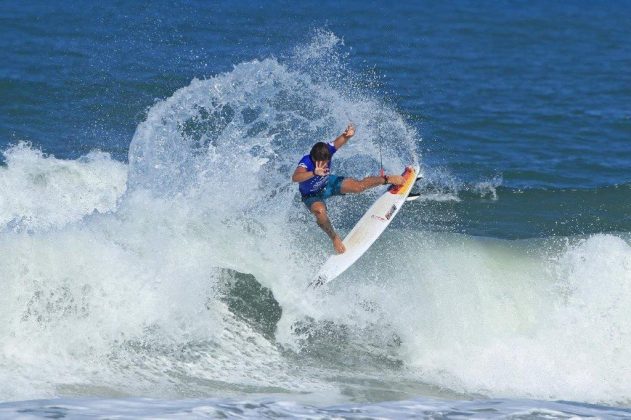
[[414, 196]]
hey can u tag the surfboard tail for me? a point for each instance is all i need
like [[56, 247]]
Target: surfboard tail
[[317, 282]]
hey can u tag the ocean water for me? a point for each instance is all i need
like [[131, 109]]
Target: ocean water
[[154, 253]]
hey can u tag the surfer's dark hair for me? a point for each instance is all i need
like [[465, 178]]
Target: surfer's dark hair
[[320, 151]]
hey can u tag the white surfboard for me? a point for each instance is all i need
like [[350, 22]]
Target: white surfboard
[[368, 228]]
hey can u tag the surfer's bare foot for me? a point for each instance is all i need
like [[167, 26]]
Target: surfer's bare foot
[[338, 245], [396, 180]]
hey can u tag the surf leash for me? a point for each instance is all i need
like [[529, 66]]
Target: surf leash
[[382, 173]]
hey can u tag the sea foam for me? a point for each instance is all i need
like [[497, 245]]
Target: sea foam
[[41, 192]]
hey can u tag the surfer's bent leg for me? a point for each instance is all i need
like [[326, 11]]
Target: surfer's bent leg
[[353, 186], [319, 211]]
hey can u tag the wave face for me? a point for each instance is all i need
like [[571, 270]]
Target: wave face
[[536, 318], [189, 279]]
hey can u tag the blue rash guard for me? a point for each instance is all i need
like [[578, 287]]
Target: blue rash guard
[[319, 188], [316, 184]]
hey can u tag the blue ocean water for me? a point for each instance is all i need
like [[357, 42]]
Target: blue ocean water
[[130, 268], [528, 96]]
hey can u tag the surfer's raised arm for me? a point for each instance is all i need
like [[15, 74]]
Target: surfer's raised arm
[[343, 138]]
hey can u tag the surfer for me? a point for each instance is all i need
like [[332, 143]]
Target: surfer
[[316, 183]]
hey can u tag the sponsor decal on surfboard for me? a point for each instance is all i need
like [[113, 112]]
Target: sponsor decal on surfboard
[[391, 211]]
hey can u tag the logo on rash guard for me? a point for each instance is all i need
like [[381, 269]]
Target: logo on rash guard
[[320, 183]]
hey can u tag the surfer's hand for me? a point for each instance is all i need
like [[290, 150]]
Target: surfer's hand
[[321, 168], [395, 180], [349, 132]]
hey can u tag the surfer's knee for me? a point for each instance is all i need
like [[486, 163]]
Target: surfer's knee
[[318, 209]]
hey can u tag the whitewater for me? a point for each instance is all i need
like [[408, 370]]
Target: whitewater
[[181, 273]]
